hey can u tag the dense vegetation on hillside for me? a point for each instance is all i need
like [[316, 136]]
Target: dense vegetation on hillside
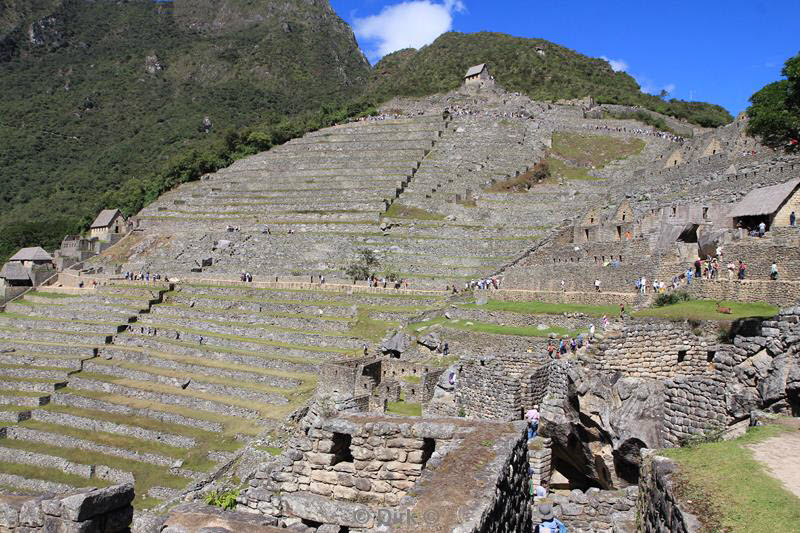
[[104, 102], [775, 110], [538, 68]]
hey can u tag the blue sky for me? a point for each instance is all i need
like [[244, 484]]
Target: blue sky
[[707, 50]]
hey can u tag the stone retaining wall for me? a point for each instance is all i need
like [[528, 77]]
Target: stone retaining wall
[[108, 510], [567, 297], [658, 507], [486, 390], [593, 511], [780, 293]]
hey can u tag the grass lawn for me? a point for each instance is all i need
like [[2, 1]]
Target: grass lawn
[[561, 169], [404, 408], [406, 211], [731, 491], [496, 329], [595, 150], [707, 310], [545, 308]]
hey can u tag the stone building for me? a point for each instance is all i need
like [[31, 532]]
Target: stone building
[[35, 263], [478, 76], [107, 223], [771, 205]]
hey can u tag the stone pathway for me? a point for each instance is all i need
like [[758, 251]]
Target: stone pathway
[[780, 456]]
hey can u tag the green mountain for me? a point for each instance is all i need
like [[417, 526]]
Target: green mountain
[[97, 96], [109, 104], [535, 67]]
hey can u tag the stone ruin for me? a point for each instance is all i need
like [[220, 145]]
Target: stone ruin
[[205, 364]]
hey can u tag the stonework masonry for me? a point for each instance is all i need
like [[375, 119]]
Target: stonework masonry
[[658, 507]]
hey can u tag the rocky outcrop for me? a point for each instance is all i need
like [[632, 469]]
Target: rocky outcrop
[[598, 424]]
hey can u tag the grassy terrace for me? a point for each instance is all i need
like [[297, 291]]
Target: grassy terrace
[[730, 491], [544, 308], [707, 310], [484, 327]]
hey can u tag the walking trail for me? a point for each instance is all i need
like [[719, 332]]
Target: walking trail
[[780, 456]]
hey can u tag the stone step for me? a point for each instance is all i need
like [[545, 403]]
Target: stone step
[[197, 366], [147, 391], [41, 359], [35, 486], [79, 351], [194, 383], [256, 332], [65, 441], [86, 471], [265, 316], [95, 425], [12, 335], [14, 417], [7, 383], [83, 402], [64, 312], [240, 357], [32, 372], [8, 398]]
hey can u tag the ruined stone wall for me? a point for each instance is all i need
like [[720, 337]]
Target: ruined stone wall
[[656, 349], [486, 390], [658, 507], [593, 511], [758, 255], [108, 509], [585, 296], [780, 293]]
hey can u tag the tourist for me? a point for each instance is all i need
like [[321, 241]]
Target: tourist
[[573, 346], [762, 228], [643, 285], [579, 342], [549, 523], [655, 286], [366, 350], [689, 276], [550, 349], [597, 284], [621, 311], [321, 280], [731, 268], [638, 284], [445, 349], [562, 285], [539, 491], [773, 271], [698, 269], [591, 332], [742, 270], [532, 416], [605, 322], [792, 218]]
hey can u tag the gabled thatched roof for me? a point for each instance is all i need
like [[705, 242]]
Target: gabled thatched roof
[[105, 218], [35, 253], [15, 272], [474, 71], [764, 201]]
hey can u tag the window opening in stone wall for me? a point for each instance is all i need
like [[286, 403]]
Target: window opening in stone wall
[[674, 211], [710, 356], [620, 259], [619, 232], [705, 212], [586, 231], [623, 217], [341, 448], [682, 355], [428, 447]]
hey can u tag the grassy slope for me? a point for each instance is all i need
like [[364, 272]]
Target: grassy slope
[[732, 489], [559, 74]]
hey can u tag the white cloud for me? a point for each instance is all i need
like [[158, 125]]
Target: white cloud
[[617, 65], [406, 25]]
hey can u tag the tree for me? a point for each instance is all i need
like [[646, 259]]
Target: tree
[[775, 110], [363, 266]]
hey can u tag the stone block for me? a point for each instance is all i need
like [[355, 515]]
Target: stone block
[[345, 493], [96, 502], [324, 476]]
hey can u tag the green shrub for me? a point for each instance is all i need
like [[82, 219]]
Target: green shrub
[[226, 499], [671, 298]]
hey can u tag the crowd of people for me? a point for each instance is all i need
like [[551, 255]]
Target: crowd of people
[[462, 111], [638, 131], [144, 276], [482, 284]]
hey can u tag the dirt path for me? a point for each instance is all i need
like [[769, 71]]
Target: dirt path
[[781, 455]]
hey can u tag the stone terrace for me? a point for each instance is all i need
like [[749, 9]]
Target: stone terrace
[[162, 384]]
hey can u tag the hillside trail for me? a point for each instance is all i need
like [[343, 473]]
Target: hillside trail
[[780, 455]]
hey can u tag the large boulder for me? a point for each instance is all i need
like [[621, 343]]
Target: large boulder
[[396, 344], [600, 425]]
